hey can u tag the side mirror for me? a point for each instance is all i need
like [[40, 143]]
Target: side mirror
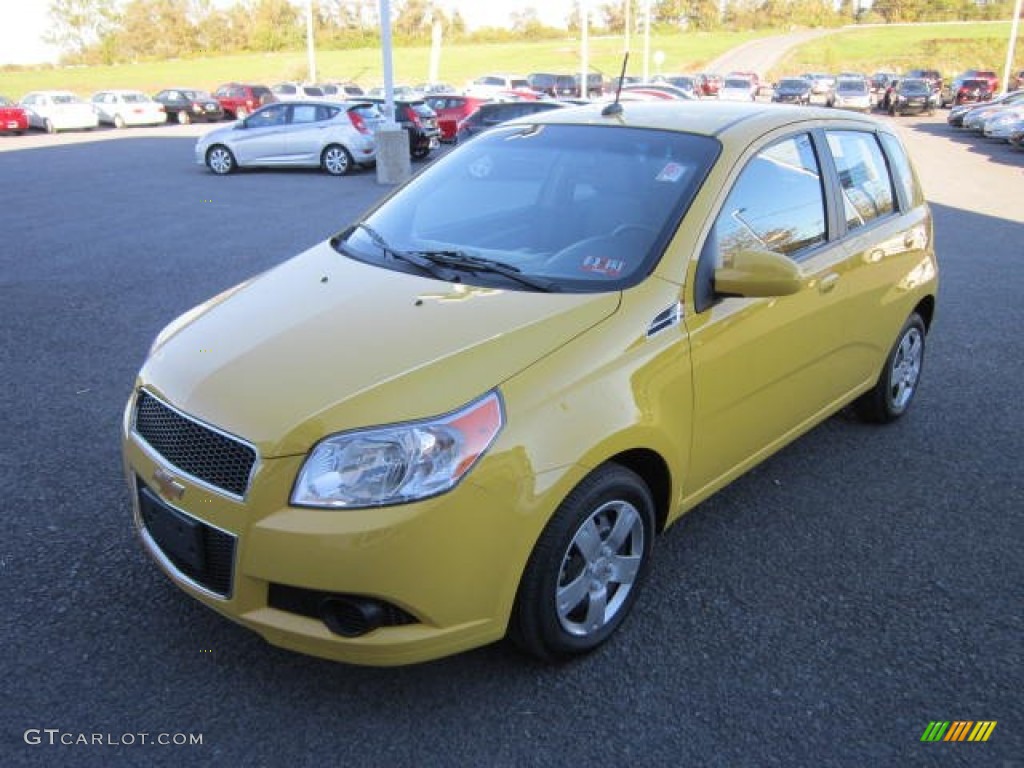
[[759, 274]]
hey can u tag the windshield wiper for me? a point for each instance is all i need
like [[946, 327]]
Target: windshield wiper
[[471, 263], [424, 264]]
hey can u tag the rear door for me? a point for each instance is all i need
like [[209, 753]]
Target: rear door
[[887, 234], [309, 131]]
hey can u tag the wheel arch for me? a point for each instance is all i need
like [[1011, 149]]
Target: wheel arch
[[654, 471], [926, 309]]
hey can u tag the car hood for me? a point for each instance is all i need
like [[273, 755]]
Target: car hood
[[217, 134], [325, 343]]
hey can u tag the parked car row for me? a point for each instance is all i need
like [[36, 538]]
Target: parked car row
[[1001, 118]]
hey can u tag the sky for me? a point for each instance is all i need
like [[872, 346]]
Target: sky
[[23, 22]]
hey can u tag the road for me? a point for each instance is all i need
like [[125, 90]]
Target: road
[[762, 54], [819, 612]]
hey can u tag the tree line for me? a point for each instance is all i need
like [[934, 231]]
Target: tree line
[[117, 31]]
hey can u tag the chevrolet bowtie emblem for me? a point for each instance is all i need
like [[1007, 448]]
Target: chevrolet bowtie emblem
[[169, 487]]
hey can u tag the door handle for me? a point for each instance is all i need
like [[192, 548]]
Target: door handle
[[828, 282]]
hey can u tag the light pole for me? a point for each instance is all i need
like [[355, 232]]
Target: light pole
[[1012, 45], [393, 162], [647, 40], [584, 48], [310, 48]]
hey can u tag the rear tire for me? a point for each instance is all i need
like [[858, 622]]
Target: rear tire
[[587, 567], [894, 392], [48, 126], [241, 113], [184, 118], [118, 121], [336, 160]]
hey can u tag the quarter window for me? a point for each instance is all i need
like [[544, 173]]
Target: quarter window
[[900, 164], [777, 203], [863, 175]]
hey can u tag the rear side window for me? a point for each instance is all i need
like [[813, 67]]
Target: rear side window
[[863, 175], [777, 203], [900, 165]]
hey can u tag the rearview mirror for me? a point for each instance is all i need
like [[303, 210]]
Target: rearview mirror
[[759, 274]]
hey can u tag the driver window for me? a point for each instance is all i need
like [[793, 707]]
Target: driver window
[[268, 117], [777, 203]]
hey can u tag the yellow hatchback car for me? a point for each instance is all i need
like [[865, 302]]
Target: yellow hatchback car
[[468, 414]]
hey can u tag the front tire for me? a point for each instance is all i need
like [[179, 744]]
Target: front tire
[[336, 160], [241, 113], [184, 118], [587, 567], [48, 126], [894, 392], [118, 121], [220, 160]]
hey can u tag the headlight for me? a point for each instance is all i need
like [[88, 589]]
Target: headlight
[[400, 463]]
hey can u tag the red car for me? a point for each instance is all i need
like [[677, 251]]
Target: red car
[[239, 100], [972, 91], [451, 110], [12, 117], [709, 83]]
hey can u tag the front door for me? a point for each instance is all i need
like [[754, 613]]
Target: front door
[[764, 367]]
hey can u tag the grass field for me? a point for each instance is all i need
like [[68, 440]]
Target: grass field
[[459, 63], [950, 48]]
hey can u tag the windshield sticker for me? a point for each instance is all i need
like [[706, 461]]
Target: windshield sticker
[[672, 172], [602, 265]]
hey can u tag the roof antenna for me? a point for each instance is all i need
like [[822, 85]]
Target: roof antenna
[[615, 108]]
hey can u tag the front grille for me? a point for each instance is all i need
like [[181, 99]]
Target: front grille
[[193, 447], [200, 552]]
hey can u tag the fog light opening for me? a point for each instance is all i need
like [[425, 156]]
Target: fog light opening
[[351, 617]]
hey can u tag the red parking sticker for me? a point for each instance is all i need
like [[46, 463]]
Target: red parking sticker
[[671, 172], [602, 265]]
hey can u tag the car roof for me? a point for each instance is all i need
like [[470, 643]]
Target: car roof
[[741, 120], [318, 102]]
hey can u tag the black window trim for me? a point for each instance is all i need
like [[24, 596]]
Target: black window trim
[[842, 231], [704, 295]]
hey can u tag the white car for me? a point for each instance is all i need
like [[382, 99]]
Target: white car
[[850, 93], [54, 111], [492, 86], [1003, 123], [326, 134], [296, 91], [122, 108], [737, 89]]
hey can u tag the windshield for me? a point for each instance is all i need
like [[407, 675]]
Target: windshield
[[914, 87], [853, 86], [737, 84], [578, 208], [794, 85]]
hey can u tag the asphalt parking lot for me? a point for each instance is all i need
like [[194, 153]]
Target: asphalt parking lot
[[821, 611]]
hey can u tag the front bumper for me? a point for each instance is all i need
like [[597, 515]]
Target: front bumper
[[452, 563]]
